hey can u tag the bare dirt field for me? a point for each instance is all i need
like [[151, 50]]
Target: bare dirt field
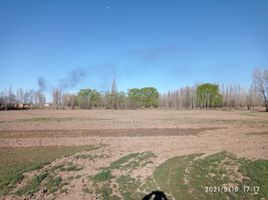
[[133, 148]]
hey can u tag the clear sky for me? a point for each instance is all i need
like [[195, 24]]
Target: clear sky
[[162, 43]]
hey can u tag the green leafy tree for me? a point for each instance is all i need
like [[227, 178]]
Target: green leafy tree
[[84, 98], [88, 98], [144, 97], [149, 97], [134, 98], [95, 98], [208, 96]]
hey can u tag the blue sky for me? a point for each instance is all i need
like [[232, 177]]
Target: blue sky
[[166, 44]]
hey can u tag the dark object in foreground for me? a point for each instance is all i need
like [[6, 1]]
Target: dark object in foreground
[[158, 195]]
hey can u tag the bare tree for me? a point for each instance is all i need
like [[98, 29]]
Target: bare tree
[[260, 80], [20, 95], [57, 96], [113, 96]]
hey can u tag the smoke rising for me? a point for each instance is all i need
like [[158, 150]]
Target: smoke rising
[[101, 77], [41, 84], [157, 52], [73, 79]]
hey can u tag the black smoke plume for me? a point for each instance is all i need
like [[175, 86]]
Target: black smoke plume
[[42, 84], [73, 79]]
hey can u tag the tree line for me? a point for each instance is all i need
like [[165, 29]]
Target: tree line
[[215, 96], [91, 98], [200, 96]]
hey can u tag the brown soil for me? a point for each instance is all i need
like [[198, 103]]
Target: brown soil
[[102, 132], [165, 133]]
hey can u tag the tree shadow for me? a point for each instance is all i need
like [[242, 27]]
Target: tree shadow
[[157, 195]]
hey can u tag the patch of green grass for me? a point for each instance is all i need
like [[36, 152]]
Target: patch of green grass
[[57, 167], [150, 185], [104, 175], [53, 183], [16, 161], [114, 197], [105, 191], [132, 161], [128, 187], [257, 171], [187, 177], [127, 184], [122, 161], [199, 177], [90, 156], [33, 185], [101, 183], [170, 176], [71, 167], [85, 156]]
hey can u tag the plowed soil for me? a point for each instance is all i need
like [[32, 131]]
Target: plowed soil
[[165, 133]]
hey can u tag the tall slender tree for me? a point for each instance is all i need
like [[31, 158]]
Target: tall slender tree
[[260, 80]]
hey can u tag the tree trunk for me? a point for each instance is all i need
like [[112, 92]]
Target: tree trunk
[[265, 102]]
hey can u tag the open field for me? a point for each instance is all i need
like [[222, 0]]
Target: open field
[[125, 154]]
